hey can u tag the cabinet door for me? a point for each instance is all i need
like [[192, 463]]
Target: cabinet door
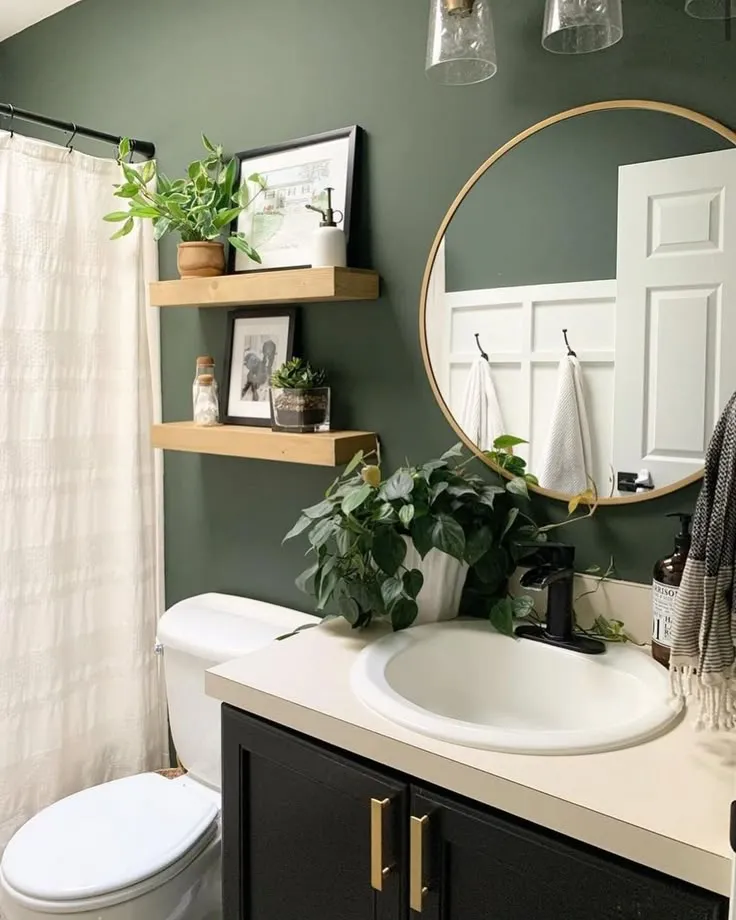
[[306, 832], [477, 865]]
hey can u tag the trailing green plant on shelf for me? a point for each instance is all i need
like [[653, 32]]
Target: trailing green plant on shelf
[[199, 207], [361, 532], [298, 374]]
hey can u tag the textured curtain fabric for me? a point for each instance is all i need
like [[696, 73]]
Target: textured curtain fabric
[[81, 700]]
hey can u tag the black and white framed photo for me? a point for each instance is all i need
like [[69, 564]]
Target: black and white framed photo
[[277, 223], [258, 343]]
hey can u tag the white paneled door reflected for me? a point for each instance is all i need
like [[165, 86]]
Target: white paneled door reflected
[[676, 311]]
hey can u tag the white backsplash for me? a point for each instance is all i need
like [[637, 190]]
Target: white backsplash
[[612, 598]]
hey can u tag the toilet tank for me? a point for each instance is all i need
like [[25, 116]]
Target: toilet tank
[[197, 634]]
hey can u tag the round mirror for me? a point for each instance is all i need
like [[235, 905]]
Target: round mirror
[[578, 311]]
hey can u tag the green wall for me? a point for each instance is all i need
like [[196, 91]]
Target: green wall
[[252, 73], [547, 212]]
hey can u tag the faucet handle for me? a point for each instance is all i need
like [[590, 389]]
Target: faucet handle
[[559, 555]]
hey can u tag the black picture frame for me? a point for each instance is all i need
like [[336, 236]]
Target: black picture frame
[[353, 133], [288, 313]]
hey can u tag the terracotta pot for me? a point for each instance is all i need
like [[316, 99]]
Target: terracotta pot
[[201, 260]]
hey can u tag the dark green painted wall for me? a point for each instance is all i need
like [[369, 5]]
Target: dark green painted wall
[[251, 73], [547, 211]]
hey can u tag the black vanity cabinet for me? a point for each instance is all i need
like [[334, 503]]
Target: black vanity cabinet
[[310, 833]]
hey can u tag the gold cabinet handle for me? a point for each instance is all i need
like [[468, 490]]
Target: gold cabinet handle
[[378, 870], [417, 888]]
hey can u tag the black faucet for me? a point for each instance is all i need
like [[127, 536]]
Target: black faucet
[[552, 568]]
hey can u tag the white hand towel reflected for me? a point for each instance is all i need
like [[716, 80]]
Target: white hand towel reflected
[[481, 417], [567, 459]]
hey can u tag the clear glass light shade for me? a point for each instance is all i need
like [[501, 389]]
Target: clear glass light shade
[[711, 9], [461, 48], [581, 26]]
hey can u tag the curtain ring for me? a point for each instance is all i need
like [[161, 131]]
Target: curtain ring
[[12, 119], [71, 139], [132, 150]]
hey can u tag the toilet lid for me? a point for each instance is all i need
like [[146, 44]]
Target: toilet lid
[[106, 838]]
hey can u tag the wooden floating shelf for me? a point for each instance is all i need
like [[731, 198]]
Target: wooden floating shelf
[[304, 285], [329, 448]]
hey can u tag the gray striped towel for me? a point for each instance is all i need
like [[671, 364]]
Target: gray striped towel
[[703, 657]]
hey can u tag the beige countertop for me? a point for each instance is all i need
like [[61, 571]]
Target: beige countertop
[[663, 804]]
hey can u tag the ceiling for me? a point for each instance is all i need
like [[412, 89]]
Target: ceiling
[[16, 15]]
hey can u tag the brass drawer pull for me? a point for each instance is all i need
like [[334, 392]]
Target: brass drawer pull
[[417, 888], [378, 870]]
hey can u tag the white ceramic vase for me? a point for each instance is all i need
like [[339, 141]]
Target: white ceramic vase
[[444, 578]]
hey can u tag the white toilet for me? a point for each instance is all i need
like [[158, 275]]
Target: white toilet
[[145, 847]]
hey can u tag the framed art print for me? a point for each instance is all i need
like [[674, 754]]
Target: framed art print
[[258, 343], [277, 222]]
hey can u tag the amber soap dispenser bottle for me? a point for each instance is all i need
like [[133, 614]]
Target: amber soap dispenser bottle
[[666, 581]]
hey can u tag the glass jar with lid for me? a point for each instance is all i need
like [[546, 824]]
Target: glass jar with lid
[[205, 367], [206, 402]]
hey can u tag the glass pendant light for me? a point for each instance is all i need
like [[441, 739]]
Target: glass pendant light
[[461, 48], [711, 9], [580, 26]]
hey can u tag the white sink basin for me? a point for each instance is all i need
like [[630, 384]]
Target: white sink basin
[[462, 682]]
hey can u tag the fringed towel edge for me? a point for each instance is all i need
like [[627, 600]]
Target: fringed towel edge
[[715, 694]]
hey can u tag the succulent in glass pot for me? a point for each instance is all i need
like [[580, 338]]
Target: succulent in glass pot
[[300, 399]]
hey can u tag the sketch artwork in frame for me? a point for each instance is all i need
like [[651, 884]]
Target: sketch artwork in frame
[[258, 343], [296, 173]]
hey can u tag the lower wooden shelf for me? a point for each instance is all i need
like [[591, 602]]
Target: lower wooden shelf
[[329, 448]]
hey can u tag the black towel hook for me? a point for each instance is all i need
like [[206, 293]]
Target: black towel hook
[[570, 352], [480, 347]]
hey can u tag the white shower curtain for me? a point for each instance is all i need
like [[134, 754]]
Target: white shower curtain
[[80, 695]]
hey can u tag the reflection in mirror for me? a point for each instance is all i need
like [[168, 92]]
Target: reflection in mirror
[[582, 303]]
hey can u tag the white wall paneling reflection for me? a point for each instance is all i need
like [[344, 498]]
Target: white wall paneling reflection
[[520, 328]]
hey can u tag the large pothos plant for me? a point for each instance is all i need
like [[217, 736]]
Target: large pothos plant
[[358, 534]]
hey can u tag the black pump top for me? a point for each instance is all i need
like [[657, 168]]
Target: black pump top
[[683, 538]]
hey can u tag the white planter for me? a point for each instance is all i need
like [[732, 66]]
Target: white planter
[[444, 578]]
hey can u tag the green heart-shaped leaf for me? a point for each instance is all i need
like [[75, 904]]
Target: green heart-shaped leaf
[[388, 550], [353, 500], [448, 536], [413, 582], [398, 486], [501, 616], [404, 613]]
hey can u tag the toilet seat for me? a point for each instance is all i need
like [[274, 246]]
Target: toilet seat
[[108, 844]]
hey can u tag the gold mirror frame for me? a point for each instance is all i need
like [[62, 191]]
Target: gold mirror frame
[[612, 105]]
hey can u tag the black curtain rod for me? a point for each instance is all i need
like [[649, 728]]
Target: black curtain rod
[[145, 148]]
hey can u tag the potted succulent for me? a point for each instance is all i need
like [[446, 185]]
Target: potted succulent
[[419, 545], [300, 401], [199, 207]]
